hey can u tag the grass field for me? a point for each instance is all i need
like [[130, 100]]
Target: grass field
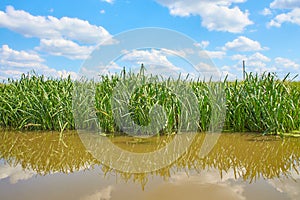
[[261, 104]]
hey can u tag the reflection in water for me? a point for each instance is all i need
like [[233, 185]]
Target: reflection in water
[[14, 173], [249, 156], [203, 184], [287, 185], [103, 194], [246, 156]]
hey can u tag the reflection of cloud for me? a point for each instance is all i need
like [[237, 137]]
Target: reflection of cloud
[[207, 185], [15, 174], [104, 194], [287, 185]]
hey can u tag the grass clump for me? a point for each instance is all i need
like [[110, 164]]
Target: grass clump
[[262, 104], [35, 102]]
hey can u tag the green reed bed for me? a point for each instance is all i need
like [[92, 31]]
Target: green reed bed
[[35, 102], [262, 104]]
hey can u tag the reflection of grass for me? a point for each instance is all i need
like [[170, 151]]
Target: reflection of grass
[[141, 145], [253, 157], [250, 157], [45, 152], [258, 104]]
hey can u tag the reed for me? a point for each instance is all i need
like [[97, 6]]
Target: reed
[[262, 104], [35, 102]]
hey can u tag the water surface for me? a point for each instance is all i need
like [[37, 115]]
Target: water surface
[[39, 165]]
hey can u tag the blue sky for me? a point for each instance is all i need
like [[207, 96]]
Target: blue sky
[[55, 37]]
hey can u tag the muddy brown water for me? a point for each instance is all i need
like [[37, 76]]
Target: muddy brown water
[[43, 165]]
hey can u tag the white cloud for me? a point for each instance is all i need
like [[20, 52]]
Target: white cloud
[[13, 63], [102, 11], [203, 44], [108, 1], [217, 15], [266, 12], [153, 57], [67, 48], [254, 60], [51, 27], [10, 57], [216, 54], [285, 4], [95, 72], [243, 43], [291, 17], [286, 63], [163, 62], [230, 72]]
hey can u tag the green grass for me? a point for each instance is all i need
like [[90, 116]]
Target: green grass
[[262, 104], [34, 102]]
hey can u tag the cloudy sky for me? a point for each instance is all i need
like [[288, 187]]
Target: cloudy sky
[[54, 37]]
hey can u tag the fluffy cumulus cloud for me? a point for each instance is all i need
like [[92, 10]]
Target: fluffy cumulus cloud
[[266, 12], [95, 72], [217, 15], [286, 63], [62, 47], [255, 60], [243, 43], [153, 59], [285, 4], [292, 15], [72, 38], [13, 63], [10, 57], [204, 44], [231, 72], [58, 36], [51, 27]]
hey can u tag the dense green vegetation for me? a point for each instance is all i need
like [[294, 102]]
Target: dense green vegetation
[[262, 104]]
